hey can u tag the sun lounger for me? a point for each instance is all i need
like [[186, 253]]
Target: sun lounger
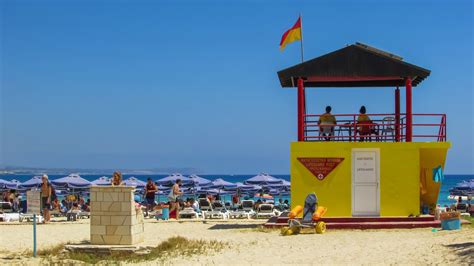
[[6, 207], [461, 207], [244, 211], [29, 217], [10, 217], [248, 205], [56, 213], [73, 215], [205, 207], [219, 210], [189, 212], [83, 215], [266, 211], [7, 214]]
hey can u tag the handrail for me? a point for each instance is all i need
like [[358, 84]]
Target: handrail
[[349, 129]]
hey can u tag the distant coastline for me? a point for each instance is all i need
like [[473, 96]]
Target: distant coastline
[[15, 170], [85, 171]]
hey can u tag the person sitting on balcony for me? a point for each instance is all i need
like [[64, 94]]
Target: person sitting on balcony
[[326, 124], [365, 128]]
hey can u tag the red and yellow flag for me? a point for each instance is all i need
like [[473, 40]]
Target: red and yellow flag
[[291, 35]]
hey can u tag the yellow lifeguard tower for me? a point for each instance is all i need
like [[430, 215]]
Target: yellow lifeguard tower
[[383, 167]]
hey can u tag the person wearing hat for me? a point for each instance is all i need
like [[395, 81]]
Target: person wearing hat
[[46, 198]]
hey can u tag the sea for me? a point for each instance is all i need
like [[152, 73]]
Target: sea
[[448, 182]]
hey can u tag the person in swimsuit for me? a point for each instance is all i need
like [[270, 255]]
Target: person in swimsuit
[[46, 198]]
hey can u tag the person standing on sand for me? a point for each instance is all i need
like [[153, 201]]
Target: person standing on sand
[[150, 190], [174, 197], [46, 198], [116, 179]]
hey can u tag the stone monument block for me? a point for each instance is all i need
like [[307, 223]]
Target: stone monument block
[[114, 218]]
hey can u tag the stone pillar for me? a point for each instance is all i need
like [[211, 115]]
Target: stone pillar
[[114, 219]]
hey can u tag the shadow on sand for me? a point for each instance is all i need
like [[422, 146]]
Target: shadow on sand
[[233, 226], [464, 250]]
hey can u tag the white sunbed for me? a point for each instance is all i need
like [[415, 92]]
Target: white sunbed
[[219, 210], [189, 212], [205, 207], [29, 217], [266, 211], [10, 217], [245, 211]]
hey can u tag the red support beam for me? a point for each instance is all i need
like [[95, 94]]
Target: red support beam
[[409, 113], [352, 78], [301, 109], [397, 115]]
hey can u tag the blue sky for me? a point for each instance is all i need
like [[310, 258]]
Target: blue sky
[[143, 84]]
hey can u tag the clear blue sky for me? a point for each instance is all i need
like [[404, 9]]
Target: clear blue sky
[[143, 84]]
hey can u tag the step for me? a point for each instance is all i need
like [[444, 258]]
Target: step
[[283, 219], [373, 225], [382, 225]]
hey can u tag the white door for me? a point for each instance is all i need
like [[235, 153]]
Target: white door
[[365, 182]]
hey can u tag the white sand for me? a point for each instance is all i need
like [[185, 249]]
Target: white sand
[[413, 246]]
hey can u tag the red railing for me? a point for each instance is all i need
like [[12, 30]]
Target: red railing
[[381, 127]]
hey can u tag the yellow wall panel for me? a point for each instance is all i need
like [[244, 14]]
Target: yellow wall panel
[[400, 168]]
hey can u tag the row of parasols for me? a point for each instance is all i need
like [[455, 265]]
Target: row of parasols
[[192, 184]]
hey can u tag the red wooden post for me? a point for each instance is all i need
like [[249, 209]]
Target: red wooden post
[[409, 115], [301, 110], [397, 115]]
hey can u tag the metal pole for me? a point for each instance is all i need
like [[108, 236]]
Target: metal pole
[[304, 92], [409, 115], [302, 50], [34, 235], [397, 114]]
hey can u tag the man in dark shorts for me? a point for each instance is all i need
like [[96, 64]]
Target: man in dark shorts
[[150, 190], [46, 198]]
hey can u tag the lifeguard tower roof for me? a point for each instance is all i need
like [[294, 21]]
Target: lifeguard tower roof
[[356, 65]]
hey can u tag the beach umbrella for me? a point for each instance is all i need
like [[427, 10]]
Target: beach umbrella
[[161, 187], [199, 180], [274, 191], [244, 187], [134, 182], [263, 178], [466, 184], [5, 184], [71, 181], [221, 184], [35, 181], [171, 180], [101, 181], [189, 190], [211, 191], [15, 183], [284, 183]]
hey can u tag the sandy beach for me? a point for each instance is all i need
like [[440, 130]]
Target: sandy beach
[[249, 245]]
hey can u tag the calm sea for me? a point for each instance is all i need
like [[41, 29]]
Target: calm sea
[[449, 181]]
